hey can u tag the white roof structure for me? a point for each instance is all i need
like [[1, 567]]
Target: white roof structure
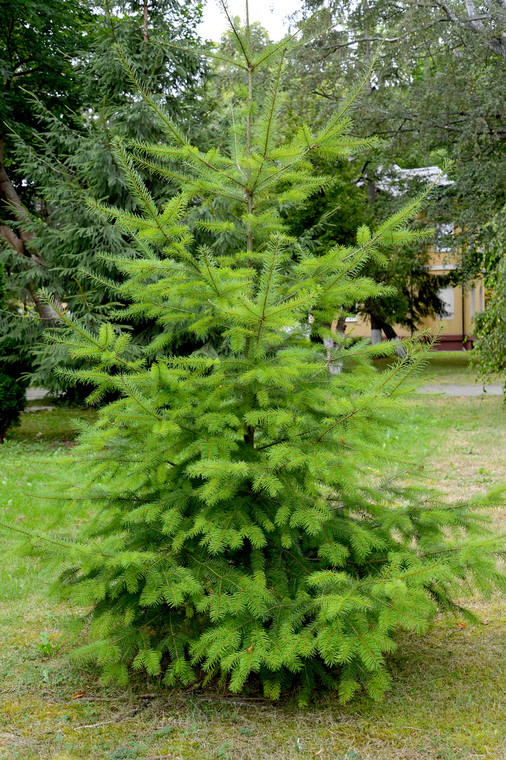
[[395, 180]]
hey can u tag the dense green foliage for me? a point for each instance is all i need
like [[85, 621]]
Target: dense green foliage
[[12, 387], [248, 524], [490, 345], [64, 152], [12, 402], [437, 93], [38, 44], [489, 355]]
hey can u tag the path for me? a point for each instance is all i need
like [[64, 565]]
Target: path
[[37, 394], [463, 390]]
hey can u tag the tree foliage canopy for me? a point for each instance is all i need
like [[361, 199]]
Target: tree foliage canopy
[[437, 93], [64, 151]]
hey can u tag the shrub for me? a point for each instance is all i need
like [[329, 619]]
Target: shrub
[[12, 402]]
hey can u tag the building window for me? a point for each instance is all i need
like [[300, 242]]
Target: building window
[[353, 316], [443, 237], [447, 296]]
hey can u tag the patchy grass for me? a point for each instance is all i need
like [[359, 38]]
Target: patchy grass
[[448, 697], [464, 437]]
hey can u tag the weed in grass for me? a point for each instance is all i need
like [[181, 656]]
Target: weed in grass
[[45, 645]]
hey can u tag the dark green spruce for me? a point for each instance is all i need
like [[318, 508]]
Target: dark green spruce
[[12, 384]]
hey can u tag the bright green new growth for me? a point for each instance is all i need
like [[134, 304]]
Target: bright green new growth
[[249, 524]]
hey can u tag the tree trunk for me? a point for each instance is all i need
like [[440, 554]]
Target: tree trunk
[[20, 240], [145, 21], [377, 326], [338, 327], [376, 335]]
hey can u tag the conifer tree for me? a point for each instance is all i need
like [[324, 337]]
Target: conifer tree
[[248, 524], [62, 152]]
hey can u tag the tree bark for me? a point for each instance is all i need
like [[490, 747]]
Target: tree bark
[[20, 240], [145, 22], [376, 335], [378, 324], [338, 327]]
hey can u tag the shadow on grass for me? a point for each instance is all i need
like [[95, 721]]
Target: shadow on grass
[[56, 426]]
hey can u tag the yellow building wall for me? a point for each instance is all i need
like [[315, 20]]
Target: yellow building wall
[[456, 330]]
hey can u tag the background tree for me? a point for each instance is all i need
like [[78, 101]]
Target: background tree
[[410, 293], [37, 44], [65, 156], [436, 94], [489, 355]]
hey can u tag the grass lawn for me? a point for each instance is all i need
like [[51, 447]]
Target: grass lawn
[[449, 695], [446, 367]]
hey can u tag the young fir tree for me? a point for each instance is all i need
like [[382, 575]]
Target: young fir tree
[[248, 524]]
